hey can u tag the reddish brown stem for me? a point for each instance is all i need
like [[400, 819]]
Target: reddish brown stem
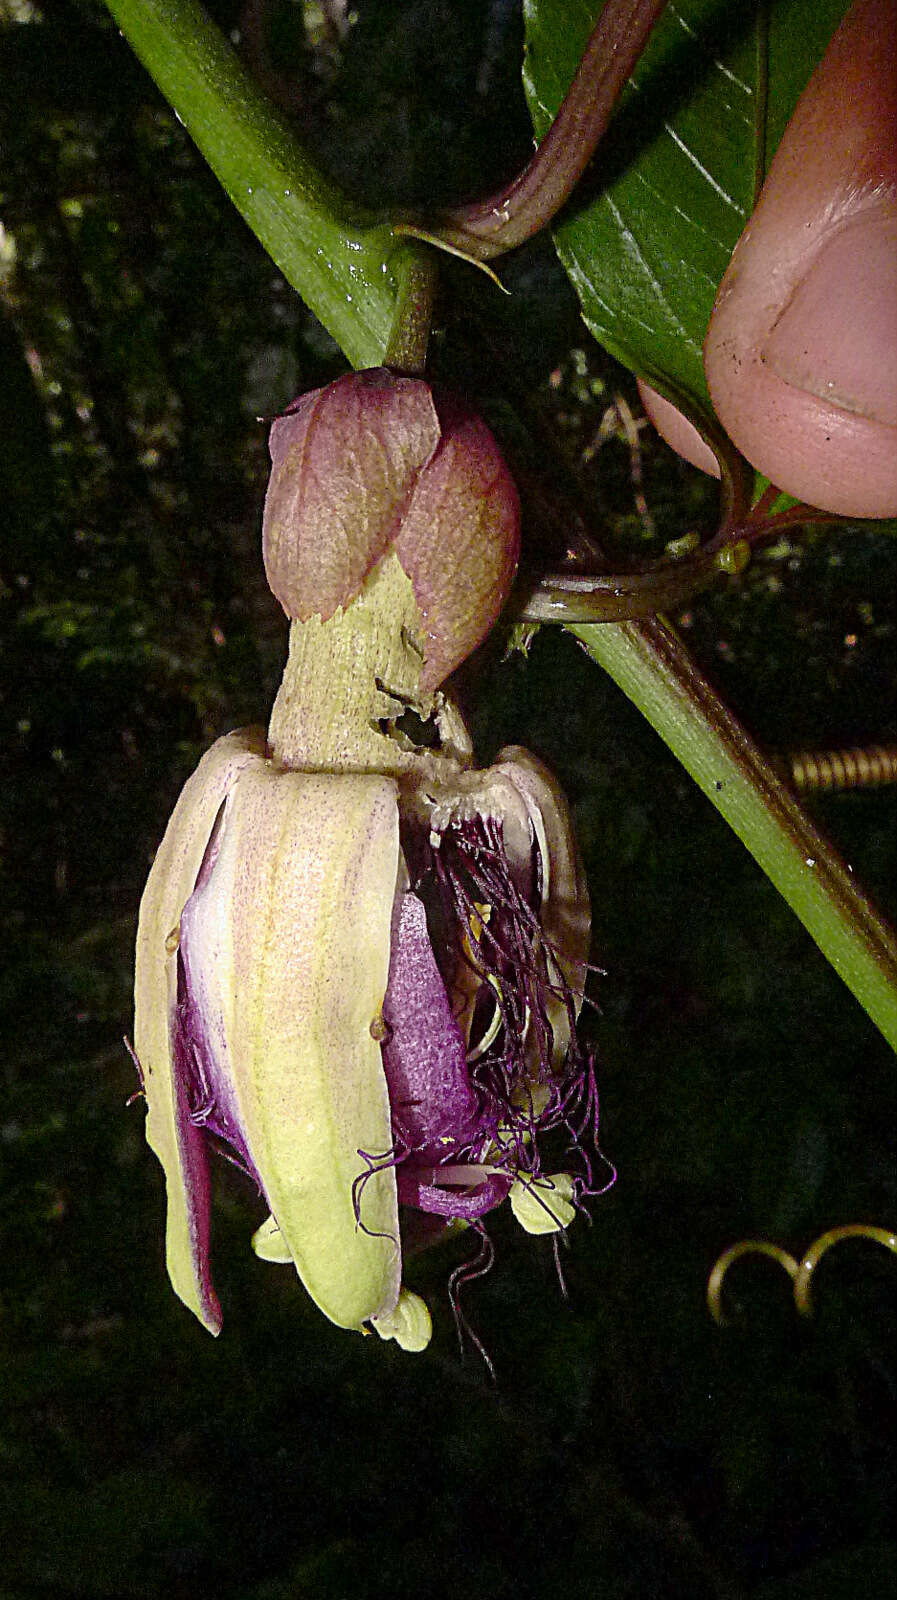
[[486, 228], [767, 500]]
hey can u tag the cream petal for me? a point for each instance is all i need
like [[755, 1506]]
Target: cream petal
[[409, 1324], [544, 1205], [180, 1146], [269, 1244], [291, 931], [565, 913]]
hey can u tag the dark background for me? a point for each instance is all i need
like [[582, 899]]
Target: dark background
[[630, 1447]]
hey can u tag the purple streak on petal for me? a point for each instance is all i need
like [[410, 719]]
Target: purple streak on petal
[[202, 1063], [193, 1148], [433, 1103], [496, 1108]]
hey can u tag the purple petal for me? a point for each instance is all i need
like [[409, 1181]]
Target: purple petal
[[420, 1190], [433, 1102]]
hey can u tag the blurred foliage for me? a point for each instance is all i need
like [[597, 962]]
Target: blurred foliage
[[630, 1447]]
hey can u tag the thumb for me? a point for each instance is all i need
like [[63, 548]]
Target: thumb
[[801, 351]]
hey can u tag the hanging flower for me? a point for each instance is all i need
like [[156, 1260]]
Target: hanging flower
[[360, 960]]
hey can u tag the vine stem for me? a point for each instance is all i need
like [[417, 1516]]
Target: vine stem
[[503, 220], [406, 349], [623, 596], [341, 258], [656, 672], [570, 597]]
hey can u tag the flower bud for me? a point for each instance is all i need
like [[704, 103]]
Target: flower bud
[[374, 463]]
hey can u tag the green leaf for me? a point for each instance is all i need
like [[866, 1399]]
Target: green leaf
[[648, 237]]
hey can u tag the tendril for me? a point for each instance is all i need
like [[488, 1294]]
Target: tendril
[[800, 1273]]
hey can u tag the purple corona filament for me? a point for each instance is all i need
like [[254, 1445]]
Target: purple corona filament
[[468, 1118]]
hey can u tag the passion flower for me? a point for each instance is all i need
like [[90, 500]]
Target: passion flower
[[360, 961], [364, 991]]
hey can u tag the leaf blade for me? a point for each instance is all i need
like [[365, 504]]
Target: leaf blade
[[649, 237]]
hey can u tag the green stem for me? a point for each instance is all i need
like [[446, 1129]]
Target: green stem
[[656, 672], [346, 266], [406, 350], [339, 258]]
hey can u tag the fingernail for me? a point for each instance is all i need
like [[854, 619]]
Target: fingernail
[[837, 336], [679, 433]]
